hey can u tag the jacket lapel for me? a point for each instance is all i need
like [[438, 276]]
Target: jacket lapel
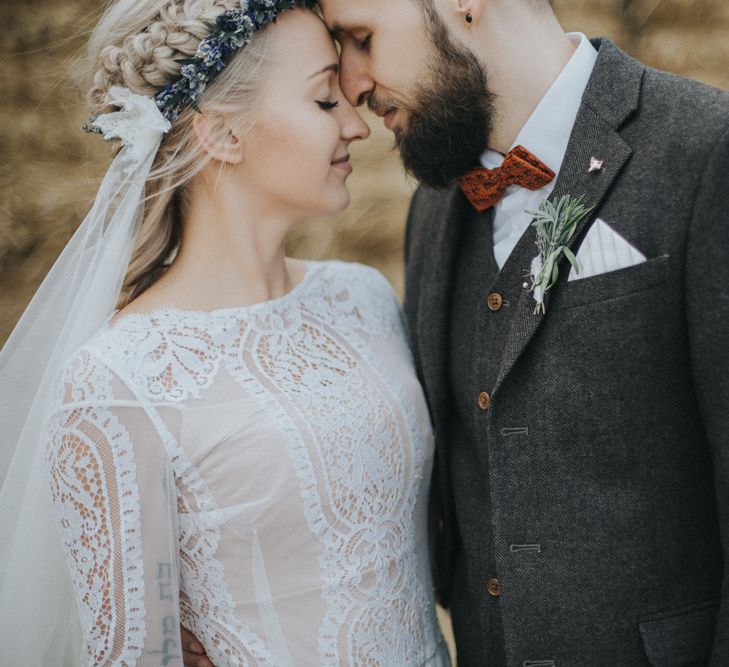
[[612, 95]]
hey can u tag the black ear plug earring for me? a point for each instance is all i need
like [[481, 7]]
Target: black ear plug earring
[[469, 18]]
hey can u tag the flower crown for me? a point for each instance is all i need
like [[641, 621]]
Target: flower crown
[[230, 31]]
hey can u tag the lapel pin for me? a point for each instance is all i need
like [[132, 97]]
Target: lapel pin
[[595, 165]]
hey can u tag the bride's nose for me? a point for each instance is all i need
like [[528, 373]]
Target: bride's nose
[[353, 125]]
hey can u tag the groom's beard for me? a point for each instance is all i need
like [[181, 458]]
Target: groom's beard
[[451, 117]]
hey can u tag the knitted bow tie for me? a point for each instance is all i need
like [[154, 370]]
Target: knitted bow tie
[[485, 187]]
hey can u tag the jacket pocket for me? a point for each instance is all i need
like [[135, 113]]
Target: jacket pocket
[[679, 637], [613, 284]]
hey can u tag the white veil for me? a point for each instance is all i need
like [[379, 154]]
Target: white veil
[[38, 618]]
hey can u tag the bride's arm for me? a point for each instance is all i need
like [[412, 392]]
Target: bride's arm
[[115, 506]]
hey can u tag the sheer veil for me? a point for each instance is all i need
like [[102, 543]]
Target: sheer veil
[[38, 618]]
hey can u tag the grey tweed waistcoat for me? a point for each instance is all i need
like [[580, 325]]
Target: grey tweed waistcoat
[[481, 317]]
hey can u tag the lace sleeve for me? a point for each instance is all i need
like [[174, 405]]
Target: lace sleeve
[[115, 506]]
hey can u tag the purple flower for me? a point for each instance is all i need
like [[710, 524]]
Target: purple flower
[[210, 51], [231, 31]]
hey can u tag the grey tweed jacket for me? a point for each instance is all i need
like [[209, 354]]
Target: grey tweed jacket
[[622, 477]]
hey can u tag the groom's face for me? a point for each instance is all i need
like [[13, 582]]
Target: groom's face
[[399, 57]]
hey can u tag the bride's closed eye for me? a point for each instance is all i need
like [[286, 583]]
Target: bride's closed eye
[[327, 105]]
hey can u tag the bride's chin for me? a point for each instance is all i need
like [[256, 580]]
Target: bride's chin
[[346, 201], [339, 202]]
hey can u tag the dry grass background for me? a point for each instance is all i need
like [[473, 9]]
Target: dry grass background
[[49, 168]]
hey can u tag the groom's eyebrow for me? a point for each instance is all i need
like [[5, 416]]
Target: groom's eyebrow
[[334, 67], [338, 31]]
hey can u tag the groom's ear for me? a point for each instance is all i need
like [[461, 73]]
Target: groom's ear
[[472, 8], [217, 139]]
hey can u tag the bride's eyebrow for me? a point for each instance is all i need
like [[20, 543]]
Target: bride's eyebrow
[[334, 67]]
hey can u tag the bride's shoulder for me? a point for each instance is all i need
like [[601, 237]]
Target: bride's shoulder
[[361, 295], [363, 277], [165, 354], [83, 377], [91, 369]]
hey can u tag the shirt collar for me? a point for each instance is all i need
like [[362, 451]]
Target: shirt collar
[[548, 130]]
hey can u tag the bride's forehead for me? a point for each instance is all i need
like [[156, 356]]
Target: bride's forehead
[[303, 48], [302, 33]]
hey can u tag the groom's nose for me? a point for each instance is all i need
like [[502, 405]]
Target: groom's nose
[[354, 78]]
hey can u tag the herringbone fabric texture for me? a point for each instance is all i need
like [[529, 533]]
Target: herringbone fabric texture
[[485, 187], [595, 485]]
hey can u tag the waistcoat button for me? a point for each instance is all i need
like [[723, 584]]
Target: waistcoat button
[[495, 301], [484, 400], [494, 587]]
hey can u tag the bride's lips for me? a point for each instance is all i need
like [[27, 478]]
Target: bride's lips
[[343, 164]]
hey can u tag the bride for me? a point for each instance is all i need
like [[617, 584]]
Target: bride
[[235, 441]]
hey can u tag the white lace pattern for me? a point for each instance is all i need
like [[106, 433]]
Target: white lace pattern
[[300, 447]]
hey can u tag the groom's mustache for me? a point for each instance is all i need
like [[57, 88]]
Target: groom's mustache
[[381, 106]]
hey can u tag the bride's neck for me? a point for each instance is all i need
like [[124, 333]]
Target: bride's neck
[[232, 251]]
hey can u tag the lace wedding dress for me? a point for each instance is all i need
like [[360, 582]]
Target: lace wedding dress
[[259, 474]]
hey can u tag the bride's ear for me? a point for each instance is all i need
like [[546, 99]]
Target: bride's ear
[[217, 139]]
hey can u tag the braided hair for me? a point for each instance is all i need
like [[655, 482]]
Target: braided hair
[[136, 45]]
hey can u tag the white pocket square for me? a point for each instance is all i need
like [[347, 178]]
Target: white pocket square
[[604, 250]]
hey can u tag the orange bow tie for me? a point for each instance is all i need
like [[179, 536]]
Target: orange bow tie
[[485, 187]]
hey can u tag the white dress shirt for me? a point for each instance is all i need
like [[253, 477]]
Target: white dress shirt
[[546, 134]]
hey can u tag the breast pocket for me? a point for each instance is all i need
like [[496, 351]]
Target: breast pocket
[[613, 284]]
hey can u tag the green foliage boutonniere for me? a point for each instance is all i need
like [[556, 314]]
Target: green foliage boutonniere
[[555, 224]]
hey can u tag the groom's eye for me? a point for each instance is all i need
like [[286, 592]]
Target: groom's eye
[[327, 105], [364, 44]]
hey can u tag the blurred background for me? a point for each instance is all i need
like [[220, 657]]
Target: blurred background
[[50, 169]]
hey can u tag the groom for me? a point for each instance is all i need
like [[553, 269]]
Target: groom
[[581, 492], [582, 483]]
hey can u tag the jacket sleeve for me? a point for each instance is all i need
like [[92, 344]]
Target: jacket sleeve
[[440, 536], [412, 221], [707, 308], [412, 270], [114, 498]]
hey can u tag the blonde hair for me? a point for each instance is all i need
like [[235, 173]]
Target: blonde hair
[[135, 45]]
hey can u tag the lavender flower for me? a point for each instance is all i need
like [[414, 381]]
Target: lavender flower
[[231, 31]]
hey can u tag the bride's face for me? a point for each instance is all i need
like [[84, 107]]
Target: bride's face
[[297, 152]]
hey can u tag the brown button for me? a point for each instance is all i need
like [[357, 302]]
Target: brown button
[[484, 400], [494, 587], [495, 301]]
